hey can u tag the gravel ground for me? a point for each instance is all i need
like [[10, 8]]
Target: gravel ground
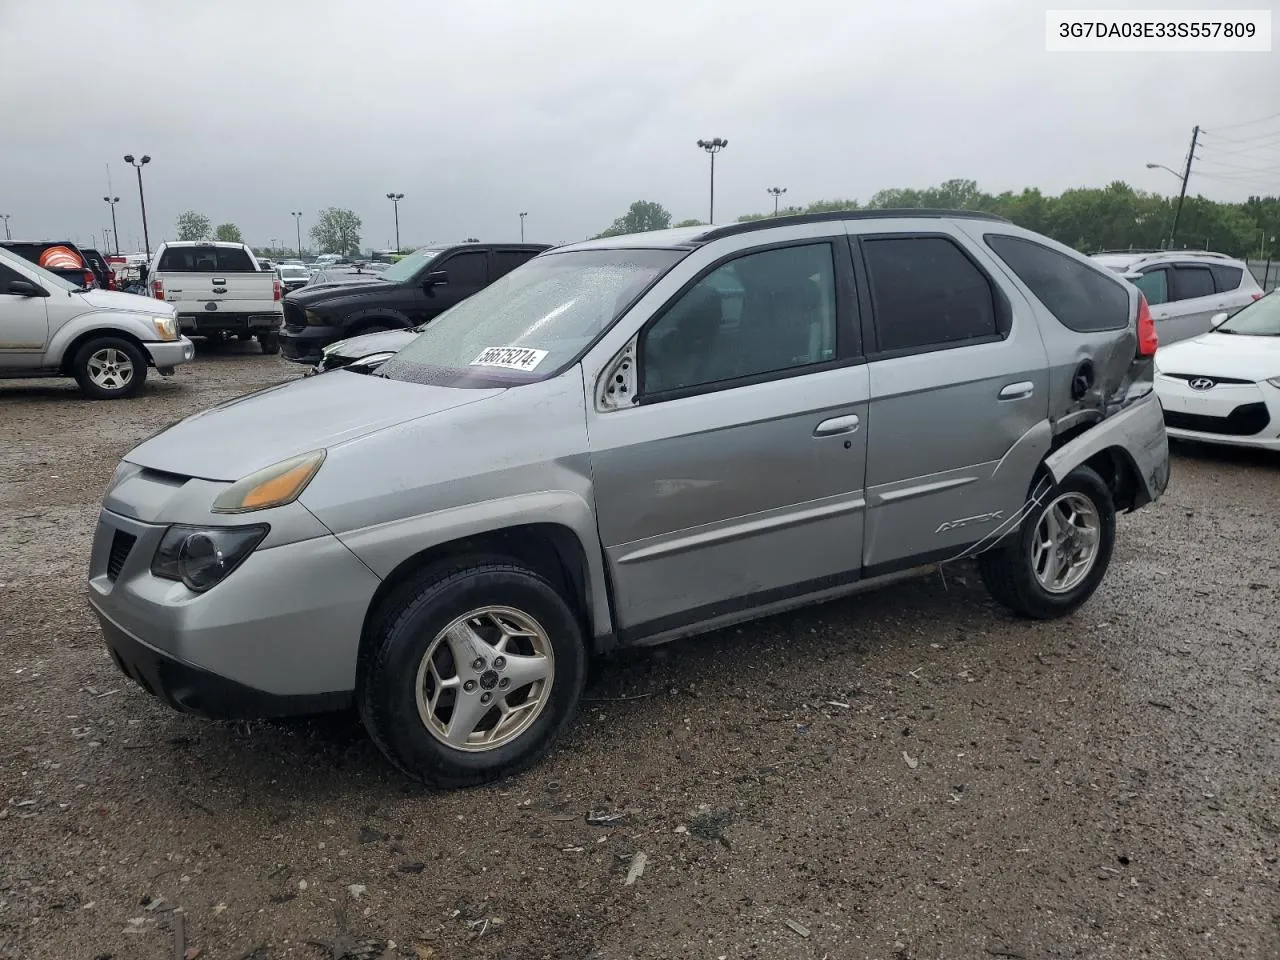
[[906, 774]]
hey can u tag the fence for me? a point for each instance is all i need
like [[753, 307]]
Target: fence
[[1267, 273]]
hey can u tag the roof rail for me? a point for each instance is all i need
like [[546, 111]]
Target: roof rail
[[732, 229], [1134, 250], [1192, 253]]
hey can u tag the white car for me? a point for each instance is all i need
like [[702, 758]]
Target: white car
[[1224, 386], [1185, 288]]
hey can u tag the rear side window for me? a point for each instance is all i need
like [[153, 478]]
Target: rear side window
[[7, 276], [927, 294], [504, 261], [206, 260], [1227, 278], [1192, 282], [1081, 297]]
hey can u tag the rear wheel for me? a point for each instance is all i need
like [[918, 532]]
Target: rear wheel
[[1061, 552], [109, 368], [471, 673], [270, 342]]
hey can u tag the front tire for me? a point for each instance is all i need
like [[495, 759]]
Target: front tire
[[471, 674], [1061, 551], [109, 368]]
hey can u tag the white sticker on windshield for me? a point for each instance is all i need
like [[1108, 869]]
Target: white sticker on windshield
[[512, 358]]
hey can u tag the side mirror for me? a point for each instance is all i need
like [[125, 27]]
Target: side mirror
[[436, 278], [1218, 319], [25, 288]]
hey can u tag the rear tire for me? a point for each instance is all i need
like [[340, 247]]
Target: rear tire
[[1060, 553], [471, 672], [270, 343], [109, 368]]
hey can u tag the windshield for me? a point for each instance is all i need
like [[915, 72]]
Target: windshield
[[527, 325], [410, 265], [300, 272], [1260, 319], [52, 279]]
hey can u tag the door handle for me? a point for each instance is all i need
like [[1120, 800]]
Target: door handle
[[219, 281], [835, 425], [1017, 391]]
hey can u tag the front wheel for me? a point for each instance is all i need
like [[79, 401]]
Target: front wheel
[[1061, 552], [109, 368], [471, 673], [270, 343]]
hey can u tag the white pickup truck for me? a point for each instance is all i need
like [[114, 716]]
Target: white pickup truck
[[219, 290]]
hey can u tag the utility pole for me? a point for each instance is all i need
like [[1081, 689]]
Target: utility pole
[[777, 193], [713, 147], [1182, 194]]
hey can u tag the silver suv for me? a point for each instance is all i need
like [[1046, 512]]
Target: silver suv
[[1186, 288], [623, 442]]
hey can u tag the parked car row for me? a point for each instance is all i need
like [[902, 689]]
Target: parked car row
[[842, 400]]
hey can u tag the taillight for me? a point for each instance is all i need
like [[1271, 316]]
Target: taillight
[[157, 289], [1257, 296], [275, 288], [1147, 338], [89, 279]]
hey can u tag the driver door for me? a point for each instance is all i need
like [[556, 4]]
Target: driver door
[[24, 325]]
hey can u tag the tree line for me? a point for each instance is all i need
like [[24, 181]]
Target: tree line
[[335, 230], [1114, 217]]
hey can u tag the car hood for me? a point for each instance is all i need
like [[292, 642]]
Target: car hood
[[1223, 355], [323, 292], [131, 302], [388, 341], [237, 437]]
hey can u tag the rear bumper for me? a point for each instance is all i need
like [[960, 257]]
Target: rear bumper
[[170, 353], [227, 321]]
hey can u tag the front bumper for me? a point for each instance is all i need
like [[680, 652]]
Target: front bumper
[[169, 353], [278, 636], [1235, 414], [306, 344]]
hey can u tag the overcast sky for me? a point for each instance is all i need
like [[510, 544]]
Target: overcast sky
[[571, 109]]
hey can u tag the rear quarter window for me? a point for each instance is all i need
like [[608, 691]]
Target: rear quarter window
[[1082, 298]]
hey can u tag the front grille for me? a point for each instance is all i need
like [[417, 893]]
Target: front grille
[[121, 544], [1200, 376], [295, 318], [1243, 421]]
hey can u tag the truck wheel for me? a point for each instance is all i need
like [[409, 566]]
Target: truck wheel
[[270, 342], [1061, 551], [471, 673], [109, 368], [244, 337]]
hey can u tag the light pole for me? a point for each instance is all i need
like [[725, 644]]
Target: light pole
[[777, 193], [395, 199], [5, 218], [142, 200], [713, 147], [114, 232], [297, 222], [522, 216]]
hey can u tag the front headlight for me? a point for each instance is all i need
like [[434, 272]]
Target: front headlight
[[166, 327], [315, 319], [273, 486], [202, 557]]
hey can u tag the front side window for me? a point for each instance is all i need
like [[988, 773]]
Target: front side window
[[530, 323], [928, 294], [504, 261], [1192, 282], [46, 277], [467, 271], [761, 313], [1154, 285], [1081, 297]]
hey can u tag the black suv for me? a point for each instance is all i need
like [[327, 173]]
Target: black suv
[[406, 294]]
